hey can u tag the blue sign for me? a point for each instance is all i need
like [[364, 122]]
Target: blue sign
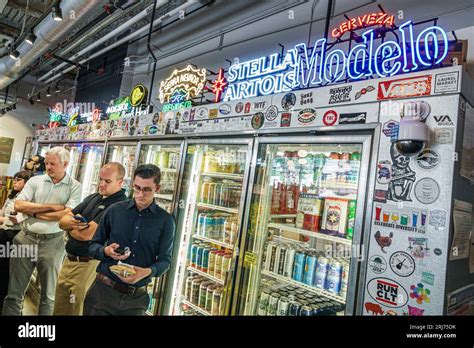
[[302, 67]]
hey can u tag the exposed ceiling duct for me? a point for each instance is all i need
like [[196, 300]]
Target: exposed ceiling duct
[[48, 32]]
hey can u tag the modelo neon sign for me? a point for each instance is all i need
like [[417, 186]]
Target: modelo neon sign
[[300, 69]]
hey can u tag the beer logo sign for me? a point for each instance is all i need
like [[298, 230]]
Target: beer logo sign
[[257, 120], [225, 109], [330, 118], [387, 292], [138, 95], [377, 264], [402, 264], [271, 113], [306, 116], [404, 88], [427, 159], [239, 107]]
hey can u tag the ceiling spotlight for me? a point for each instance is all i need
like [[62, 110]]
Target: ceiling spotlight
[[38, 97], [48, 92], [56, 88], [31, 38], [56, 11], [14, 54]]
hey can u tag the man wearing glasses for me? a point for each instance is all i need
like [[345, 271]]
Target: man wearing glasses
[[141, 232]]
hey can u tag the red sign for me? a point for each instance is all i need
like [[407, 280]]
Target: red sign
[[364, 21], [218, 86], [330, 118], [403, 88]]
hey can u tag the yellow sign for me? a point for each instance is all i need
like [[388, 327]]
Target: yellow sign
[[138, 95], [189, 80]]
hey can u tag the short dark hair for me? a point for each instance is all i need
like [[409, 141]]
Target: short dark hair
[[147, 171], [23, 174]]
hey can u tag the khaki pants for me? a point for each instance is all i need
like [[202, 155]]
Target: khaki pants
[[49, 258], [75, 278]]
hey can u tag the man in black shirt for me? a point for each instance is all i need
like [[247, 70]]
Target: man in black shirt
[[78, 270], [147, 231]]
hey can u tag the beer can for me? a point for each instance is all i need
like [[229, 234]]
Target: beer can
[[209, 294], [306, 311], [205, 259], [344, 278], [298, 268], [195, 286], [216, 301], [271, 254], [203, 293], [226, 262], [294, 309], [273, 303], [188, 288], [212, 262], [282, 260], [316, 309], [334, 274], [211, 193], [321, 273], [199, 252], [276, 264], [218, 265], [310, 268], [193, 262], [263, 302], [283, 305]]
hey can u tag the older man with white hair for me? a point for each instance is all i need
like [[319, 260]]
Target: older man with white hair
[[45, 199]]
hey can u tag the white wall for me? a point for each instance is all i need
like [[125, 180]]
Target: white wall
[[16, 124]]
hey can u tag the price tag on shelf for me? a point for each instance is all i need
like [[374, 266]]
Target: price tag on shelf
[[250, 259]]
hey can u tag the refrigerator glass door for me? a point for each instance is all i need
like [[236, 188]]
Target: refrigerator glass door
[[124, 154], [208, 223], [297, 254], [75, 151], [89, 167], [42, 149]]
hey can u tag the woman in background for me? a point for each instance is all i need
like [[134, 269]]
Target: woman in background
[[9, 227], [36, 165]]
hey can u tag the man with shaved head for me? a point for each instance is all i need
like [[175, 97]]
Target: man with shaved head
[[79, 269]]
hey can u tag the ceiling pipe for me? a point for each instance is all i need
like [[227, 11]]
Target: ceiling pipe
[[114, 33], [48, 33], [127, 38]]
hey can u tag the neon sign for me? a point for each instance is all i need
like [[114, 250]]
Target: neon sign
[[189, 79], [302, 67], [177, 101], [219, 85], [138, 95], [362, 22]]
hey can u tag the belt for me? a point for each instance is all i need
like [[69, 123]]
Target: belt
[[72, 257], [124, 289], [43, 235]]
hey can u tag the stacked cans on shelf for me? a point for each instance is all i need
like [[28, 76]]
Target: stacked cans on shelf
[[308, 266], [212, 261], [204, 293], [293, 301], [224, 194], [219, 226]]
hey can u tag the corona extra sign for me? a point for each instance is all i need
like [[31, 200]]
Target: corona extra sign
[[189, 80]]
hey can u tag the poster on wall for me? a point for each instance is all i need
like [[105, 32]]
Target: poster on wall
[[462, 218], [6, 147], [467, 159]]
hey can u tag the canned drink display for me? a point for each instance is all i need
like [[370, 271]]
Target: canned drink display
[[205, 191], [263, 302], [195, 286], [216, 301], [226, 262], [351, 219], [310, 268], [273, 303], [316, 309], [199, 252], [212, 262], [188, 288], [203, 293], [283, 304], [193, 262], [334, 274], [230, 230], [209, 294], [294, 309], [271, 254], [298, 269], [282, 260], [218, 265], [344, 279], [205, 259], [321, 273], [306, 311]]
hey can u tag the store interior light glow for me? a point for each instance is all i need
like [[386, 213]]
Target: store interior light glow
[[364, 21], [189, 79], [303, 67]]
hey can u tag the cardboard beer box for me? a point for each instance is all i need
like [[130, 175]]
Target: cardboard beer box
[[309, 212], [335, 216]]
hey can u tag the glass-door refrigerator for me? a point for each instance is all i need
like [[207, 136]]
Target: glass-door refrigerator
[[42, 149], [91, 161], [209, 216], [75, 152], [167, 156], [303, 227], [124, 153]]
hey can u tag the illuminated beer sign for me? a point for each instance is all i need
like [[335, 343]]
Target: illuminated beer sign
[[181, 86], [138, 95], [364, 21], [303, 67], [219, 85]]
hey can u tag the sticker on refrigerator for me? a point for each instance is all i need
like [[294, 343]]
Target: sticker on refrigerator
[[306, 98], [387, 127], [202, 113], [438, 252], [374, 308], [403, 177], [257, 120], [384, 172], [427, 190], [384, 241], [387, 292], [381, 196], [288, 101], [418, 248], [427, 277], [271, 113], [428, 159], [340, 95], [390, 216], [306, 116], [438, 219], [420, 293], [225, 109], [351, 118], [330, 118], [404, 88], [443, 135], [213, 113], [364, 91], [446, 82], [402, 264], [259, 105], [377, 264], [247, 107], [415, 312], [239, 107]]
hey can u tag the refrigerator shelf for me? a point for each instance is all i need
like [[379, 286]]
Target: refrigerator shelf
[[204, 274], [163, 196], [223, 175], [168, 170], [219, 208], [213, 241], [305, 286], [196, 308], [282, 216], [310, 233]]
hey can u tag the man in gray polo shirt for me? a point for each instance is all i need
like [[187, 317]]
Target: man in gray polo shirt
[[45, 199]]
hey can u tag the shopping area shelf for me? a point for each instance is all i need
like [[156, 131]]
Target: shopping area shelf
[[304, 286], [223, 175], [206, 275], [213, 241], [318, 235], [283, 216], [219, 208], [162, 196], [335, 186], [168, 170], [196, 308]]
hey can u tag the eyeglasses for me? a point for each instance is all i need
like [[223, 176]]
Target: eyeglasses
[[145, 190]]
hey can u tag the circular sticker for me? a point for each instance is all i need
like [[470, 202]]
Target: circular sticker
[[153, 130], [427, 190], [272, 113], [402, 264], [330, 118], [257, 120], [437, 251], [225, 109], [306, 116], [427, 159], [377, 264], [288, 101], [201, 113], [239, 107]]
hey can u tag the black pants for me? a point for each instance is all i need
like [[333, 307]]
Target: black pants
[[103, 300], [6, 237]]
